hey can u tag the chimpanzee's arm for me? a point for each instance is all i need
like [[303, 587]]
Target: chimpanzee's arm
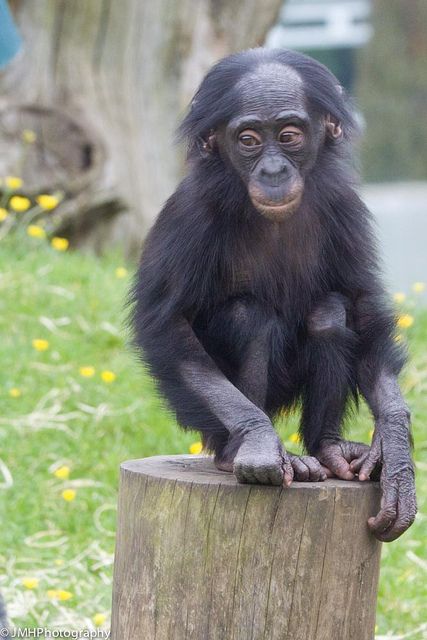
[[380, 360], [174, 275], [205, 399]]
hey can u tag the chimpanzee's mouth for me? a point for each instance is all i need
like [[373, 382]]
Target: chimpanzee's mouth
[[277, 210]]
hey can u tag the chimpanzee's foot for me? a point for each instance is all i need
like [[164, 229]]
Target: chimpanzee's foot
[[307, 468], [342, 458], [266, 462]]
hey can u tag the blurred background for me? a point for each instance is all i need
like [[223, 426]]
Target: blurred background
[[91, 92], [104, 84]]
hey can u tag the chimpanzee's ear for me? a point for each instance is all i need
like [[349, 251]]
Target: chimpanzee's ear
[[333, 128], [208, 144]]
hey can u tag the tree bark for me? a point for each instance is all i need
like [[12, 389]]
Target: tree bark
[[126, 71], [391, 92], [201, 557]]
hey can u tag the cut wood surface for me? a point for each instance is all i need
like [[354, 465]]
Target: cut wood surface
[[201, 557]]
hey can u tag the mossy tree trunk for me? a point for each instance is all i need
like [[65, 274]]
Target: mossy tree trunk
[[126, 71], [392, 92]]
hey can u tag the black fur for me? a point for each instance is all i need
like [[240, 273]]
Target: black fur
[[210, 248]]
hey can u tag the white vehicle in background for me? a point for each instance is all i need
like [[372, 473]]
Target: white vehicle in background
[[328, 30], [322, 24]]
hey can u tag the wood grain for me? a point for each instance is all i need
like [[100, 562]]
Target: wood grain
[[200, 557]]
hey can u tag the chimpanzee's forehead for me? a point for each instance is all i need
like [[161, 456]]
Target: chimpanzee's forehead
[[269, 88]]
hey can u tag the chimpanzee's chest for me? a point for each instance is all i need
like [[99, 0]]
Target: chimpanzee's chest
[[282, 282]]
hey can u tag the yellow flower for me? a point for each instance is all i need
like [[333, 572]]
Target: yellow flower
[[99, 619], [405, 321], [196, 448], [30, 583], [87, 372], [29, 136], [62, 472], [40, 344], [108, 376], [3, 214], [47, 201], [59, 594], [399, 297], [35, 231], [15, 393], [295, 438], [12, 182], [418, 287], [60, 244], [19, 203], [121, 272], [69, 495]]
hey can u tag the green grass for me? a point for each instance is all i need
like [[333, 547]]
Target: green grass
[[76, 302]]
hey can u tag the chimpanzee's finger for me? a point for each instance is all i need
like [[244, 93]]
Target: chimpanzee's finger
[[337, 465], [245, 471], [357, 463], [355, 450], [288, 473], [328, 473], [267, 472], [301, 470], [406, 512], [368, 466], [316, 472], [244, 476], [387, 514]]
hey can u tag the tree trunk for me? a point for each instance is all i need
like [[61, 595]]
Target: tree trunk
[[200, 557], [392, 93], [125, 71]]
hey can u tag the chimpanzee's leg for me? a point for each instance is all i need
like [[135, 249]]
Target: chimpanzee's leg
[[249, 333], [330, 378]]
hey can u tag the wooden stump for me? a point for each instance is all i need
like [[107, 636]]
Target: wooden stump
[[201, 557]]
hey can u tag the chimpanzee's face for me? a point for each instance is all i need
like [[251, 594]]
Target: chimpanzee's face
[[273, 141]]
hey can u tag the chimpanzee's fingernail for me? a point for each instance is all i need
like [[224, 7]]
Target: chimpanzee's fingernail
[[287, 480]]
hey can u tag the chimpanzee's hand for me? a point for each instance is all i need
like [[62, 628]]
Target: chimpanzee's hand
[[262, 459], [338, 456], [392, 450], [306, 469]]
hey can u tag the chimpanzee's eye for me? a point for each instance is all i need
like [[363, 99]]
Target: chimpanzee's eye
[[291, 136], [249, 138]]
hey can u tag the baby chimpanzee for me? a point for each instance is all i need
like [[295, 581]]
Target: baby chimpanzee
[[259, 288]]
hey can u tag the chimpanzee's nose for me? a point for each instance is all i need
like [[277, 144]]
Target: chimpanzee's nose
[[273, 170]]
